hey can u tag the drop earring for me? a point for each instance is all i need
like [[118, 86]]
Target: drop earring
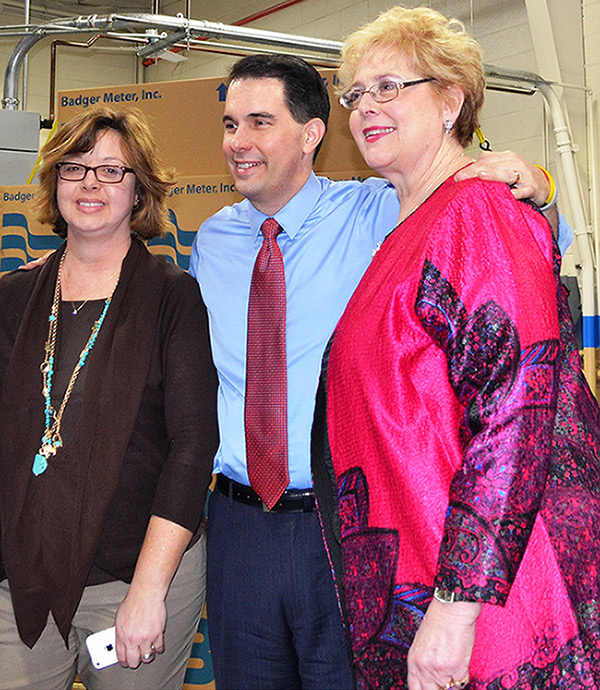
[[448, 125]]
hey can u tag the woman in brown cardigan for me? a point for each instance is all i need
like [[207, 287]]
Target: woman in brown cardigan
[[107, 426]]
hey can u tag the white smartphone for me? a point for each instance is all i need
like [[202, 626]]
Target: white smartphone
[[102, 648]]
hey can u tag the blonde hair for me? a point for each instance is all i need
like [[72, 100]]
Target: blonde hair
[[150, 215], [436, 47]]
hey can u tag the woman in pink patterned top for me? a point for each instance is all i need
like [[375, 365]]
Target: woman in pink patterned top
[[456, 442]]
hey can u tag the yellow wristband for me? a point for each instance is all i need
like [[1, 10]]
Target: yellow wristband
[[551, 198]]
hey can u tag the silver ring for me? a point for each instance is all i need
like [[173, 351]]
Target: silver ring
[[148, 656]]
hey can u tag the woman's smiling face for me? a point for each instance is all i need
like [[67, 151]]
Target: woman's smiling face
[[393, 136], [91, 207]]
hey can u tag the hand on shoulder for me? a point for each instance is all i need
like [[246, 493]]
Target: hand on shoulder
[[36, 262], [525, 179]]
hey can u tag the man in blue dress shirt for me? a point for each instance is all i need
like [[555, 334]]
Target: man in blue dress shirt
[[274, 620]]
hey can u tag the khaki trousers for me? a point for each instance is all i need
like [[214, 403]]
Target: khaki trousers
[[51, 666]]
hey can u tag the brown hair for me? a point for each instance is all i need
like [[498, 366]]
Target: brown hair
[[152, 182], [437, 47]]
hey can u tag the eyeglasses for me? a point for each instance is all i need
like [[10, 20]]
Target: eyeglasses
[[382, 92], [107, 174]]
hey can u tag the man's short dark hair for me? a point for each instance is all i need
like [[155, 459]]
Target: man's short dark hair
[[304, 91]]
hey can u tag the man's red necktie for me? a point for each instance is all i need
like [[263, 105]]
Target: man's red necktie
[[265, 412]]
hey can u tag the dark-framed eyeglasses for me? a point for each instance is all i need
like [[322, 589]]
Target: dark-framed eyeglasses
[[107, 174], [382, 92]]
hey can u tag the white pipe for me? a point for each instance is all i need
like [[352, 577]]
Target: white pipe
[[592, 172], [580, 225], [26, 59]]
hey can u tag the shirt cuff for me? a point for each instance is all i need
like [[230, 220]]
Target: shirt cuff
[[565, 234]]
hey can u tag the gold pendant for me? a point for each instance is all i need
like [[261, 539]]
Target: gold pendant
[[47, 450]]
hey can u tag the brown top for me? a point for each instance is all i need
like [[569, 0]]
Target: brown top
[[143, 446]]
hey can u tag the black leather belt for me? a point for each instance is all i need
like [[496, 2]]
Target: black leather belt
[[291, 501]]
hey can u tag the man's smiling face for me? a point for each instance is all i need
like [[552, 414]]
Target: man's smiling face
[[265, 148]]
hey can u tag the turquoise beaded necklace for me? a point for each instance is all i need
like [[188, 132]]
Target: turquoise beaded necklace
[[51, 439]]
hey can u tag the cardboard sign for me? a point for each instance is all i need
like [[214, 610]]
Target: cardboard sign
[[186, 118]]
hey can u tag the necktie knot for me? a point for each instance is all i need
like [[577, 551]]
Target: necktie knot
[[270, 229]]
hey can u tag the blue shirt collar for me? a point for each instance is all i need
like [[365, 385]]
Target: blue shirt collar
[[292, 216]]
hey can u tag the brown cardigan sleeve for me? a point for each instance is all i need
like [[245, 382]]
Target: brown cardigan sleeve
[[15, 290], [190, 406], [169, 459]]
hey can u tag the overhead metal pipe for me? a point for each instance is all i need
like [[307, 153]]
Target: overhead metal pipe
[[218, 30], [269, 11], [27, 18], [120, 22], [11, 75], [161, 43]]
